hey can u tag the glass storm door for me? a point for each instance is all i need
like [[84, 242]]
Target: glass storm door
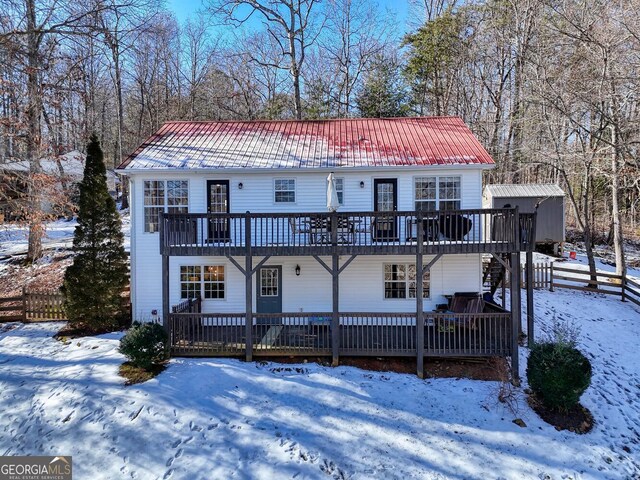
[[218, 202], [385, 199]]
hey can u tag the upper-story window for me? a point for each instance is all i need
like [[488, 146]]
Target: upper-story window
[[285, 190], [437, 193], [170, 196], [340, 190]]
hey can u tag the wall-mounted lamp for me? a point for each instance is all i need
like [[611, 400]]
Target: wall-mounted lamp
[[361, 184], [297, 270], [240, 185]]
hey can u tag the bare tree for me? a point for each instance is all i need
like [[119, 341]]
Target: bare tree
[[288, 22], [355, 35]]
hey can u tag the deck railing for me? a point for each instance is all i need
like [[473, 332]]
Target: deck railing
[[360, 334], [456, 231]]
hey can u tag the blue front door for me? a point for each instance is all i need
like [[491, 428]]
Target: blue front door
[[269, 292]]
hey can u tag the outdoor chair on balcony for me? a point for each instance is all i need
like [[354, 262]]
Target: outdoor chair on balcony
[[430, 229], [320, 231]]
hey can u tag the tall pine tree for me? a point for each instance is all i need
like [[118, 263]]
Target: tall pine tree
[[93, 284]]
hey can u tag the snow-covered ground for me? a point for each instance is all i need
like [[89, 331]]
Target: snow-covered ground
[[58, 235], [219, 419]]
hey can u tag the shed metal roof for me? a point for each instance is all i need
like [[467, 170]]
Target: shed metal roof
[[524, 190], [369, 142]]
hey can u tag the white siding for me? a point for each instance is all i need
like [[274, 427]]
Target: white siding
[[361, 282]]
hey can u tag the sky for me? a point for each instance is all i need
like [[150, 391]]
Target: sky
[[184, 9]]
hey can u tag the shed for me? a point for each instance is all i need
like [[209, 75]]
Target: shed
[[550, 224]]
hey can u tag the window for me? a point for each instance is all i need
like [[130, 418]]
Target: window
[[340, 190], [153, 204], [400, 281], [214, 281], [171, 196], [202, 281], [269, 282], [177, 196], [437, 193], [449, 193], [285, 190], [425, 193], [190, 279]]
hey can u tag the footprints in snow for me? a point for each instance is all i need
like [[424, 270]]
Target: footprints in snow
[[298, 454]]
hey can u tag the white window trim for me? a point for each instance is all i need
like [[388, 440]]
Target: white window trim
[[407, 298], [202, 282], [165, 205], [295, 190], [437, 199]]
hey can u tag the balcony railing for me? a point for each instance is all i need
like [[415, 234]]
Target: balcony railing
[[451, 231], [360, 334]]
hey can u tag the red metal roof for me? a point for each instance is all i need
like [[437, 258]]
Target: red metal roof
[[366, 142]]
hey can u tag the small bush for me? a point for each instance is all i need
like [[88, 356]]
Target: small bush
[[558, 374], [145, 345]]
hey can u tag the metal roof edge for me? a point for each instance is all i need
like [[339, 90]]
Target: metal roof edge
[[386, 168]]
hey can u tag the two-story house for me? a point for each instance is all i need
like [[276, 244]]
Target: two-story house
[[235, 215]]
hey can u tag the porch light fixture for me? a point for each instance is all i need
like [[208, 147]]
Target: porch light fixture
[[297, 270], [240, 185], [361, 184]]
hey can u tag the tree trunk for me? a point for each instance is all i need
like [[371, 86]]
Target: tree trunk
[[33, 144]]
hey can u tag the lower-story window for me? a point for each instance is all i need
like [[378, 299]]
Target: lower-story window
[[206, 281], [400, 281]]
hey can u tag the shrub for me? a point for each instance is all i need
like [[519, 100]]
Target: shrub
[[145, 344], [558, 374]]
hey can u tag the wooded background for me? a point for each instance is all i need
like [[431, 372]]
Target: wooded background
[[550, 87]]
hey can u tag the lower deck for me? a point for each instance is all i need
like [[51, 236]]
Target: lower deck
[[359, 334]]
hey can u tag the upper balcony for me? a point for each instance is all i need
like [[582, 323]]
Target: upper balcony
[[346, 233]]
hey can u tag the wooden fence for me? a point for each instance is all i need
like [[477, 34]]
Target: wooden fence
[[38, 306], [33, 306], [554, 275]]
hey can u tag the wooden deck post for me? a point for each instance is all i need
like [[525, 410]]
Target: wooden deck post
[[248, 286], [419, 299], [515, 315], [24, 304], [165, 276], [529, 272], [515, 300], [335, 276]]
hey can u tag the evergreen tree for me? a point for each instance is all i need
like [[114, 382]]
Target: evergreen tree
[[94, 282], [383, 93]]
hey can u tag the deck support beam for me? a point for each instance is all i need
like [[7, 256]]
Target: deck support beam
[[165, 276], [165, 293], [529, 271], [335, 276], [515, 303], [419, 299], [248, 277]]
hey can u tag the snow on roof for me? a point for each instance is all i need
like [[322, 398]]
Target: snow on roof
[[72, 164], [526, 190], [310, 144]]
